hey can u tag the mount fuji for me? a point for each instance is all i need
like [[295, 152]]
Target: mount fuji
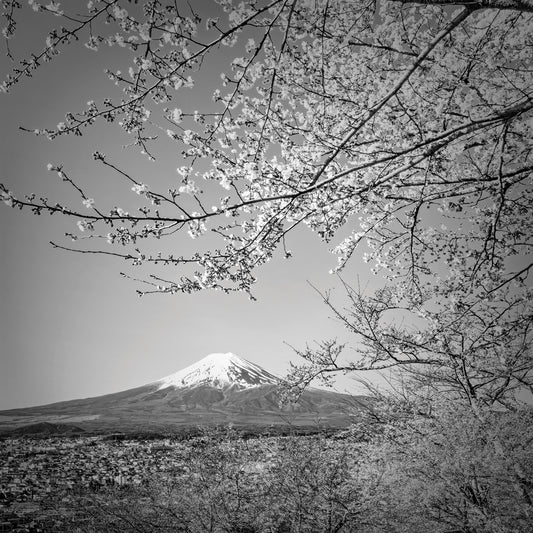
[[220, 370], [219, 389]]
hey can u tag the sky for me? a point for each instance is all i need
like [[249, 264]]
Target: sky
[[70, 325]]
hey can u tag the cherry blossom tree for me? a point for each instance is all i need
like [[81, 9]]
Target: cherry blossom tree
[[400, 132], [405, 125], [385, 117]]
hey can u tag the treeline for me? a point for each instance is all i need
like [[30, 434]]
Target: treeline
[[402, 468]]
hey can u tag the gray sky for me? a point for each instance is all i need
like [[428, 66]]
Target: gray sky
[[70, 326]]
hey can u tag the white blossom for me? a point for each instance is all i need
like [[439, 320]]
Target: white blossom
[[83, 225], [188, 137], [140, 188], [225, 182], [53, 7], [146, 64], [176, 115], [119, 13]]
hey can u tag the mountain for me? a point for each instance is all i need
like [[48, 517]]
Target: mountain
[[219, 389], [220, 370]]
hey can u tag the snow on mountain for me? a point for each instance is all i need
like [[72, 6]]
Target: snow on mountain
[[219, 370]]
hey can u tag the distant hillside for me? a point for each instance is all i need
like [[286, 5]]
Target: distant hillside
[[219, 389], [46, 428]]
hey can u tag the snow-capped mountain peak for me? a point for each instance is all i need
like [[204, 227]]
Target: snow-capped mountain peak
[[219, 370]]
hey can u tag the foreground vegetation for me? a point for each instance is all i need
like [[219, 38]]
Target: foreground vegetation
[[419, 474], [398, 469]]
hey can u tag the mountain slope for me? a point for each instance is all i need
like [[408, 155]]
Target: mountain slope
[[220, 370], [219, 389]]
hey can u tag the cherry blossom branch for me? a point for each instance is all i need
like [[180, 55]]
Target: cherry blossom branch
[[65, 37], [375, 108], [525, 6]]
